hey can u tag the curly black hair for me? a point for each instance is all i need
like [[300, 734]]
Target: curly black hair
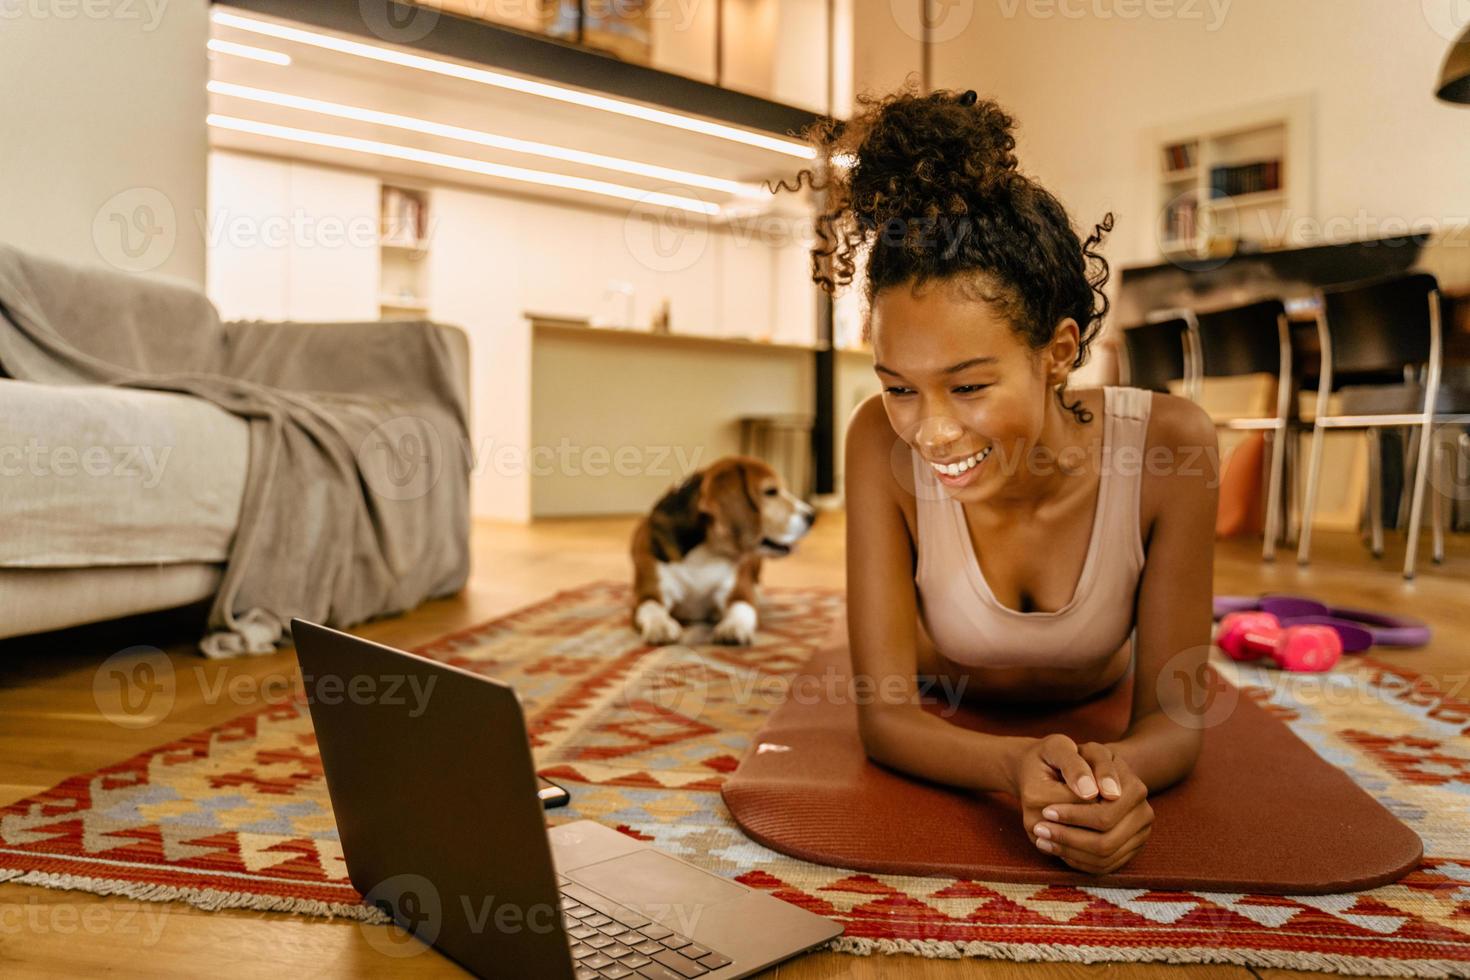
[[930, 182]]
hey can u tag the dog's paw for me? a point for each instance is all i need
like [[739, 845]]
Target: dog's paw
[[656, 625], [737, 626]]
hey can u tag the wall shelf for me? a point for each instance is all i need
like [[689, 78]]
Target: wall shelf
[[1263, 152]]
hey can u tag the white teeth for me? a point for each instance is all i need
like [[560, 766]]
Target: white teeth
[[955, 469]]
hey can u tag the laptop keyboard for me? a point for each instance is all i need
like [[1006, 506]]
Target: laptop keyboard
[[612, 942]]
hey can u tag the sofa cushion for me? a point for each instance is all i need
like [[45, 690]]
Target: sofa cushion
[[93, 475], [40, 599]]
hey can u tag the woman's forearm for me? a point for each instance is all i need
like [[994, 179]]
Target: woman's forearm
[[913, 741], [1159, 750]]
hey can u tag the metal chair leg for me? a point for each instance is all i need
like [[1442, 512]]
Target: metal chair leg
[[1416, 508], [1410, 457], [1273, 495], [1437, 505], [1291, 485], [1314, 473], [1375, 491]]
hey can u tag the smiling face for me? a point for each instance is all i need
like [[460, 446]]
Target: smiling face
[[962, 387]]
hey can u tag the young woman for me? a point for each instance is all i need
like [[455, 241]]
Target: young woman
[[1001, 530]]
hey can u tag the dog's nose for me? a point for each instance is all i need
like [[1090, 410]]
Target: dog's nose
[[811, 516]]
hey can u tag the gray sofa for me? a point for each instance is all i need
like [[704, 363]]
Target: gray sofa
[[138, 432]]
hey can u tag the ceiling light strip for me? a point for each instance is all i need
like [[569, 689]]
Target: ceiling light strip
[[249, 51], [465, 164], [511, 82], [428, 128]]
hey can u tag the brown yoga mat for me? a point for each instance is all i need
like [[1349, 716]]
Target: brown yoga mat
[[1261, 812]]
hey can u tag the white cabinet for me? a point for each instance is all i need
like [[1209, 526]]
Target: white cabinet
[[290, 241]]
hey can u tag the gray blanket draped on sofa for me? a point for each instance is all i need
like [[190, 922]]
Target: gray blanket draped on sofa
[[356, 501]]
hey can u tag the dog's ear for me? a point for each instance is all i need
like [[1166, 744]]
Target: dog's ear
[[676, 526], [728, 498]]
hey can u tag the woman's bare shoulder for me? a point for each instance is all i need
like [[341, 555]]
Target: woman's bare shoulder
[[1179, 423], [873, 451], [1181, 458], [869, 420]]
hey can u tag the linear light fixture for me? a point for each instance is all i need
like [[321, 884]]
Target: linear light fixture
[[411, 124], [511, 82], [249, 51], [465, 164]]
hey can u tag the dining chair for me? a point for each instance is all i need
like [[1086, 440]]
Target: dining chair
[[1154, 353], [1254, 338], [1368, 331]]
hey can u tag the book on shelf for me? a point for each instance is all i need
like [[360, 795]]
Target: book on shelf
[[1179, 156], [1245, 178], [1180, 221], [402, 218]]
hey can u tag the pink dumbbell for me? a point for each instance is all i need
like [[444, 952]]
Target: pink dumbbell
[[1252, 635]]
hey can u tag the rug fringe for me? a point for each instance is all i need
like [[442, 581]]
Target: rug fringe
[[212, 900], [1061, 953], [207, 899]]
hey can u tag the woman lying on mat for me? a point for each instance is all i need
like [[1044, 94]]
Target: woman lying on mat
[[1036, 529]]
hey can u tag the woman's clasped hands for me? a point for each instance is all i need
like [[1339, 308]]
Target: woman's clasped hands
[[1081, 803]]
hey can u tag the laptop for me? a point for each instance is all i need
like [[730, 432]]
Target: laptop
[[430, 773]]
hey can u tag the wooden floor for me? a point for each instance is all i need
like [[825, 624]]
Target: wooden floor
[[50, 728]]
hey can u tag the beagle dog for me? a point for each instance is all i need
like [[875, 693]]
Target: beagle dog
[[697, 555]]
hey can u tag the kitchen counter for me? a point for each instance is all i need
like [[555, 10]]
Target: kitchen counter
[[619, 415]]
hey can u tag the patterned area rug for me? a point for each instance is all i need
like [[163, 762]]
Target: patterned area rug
[[238, 816]]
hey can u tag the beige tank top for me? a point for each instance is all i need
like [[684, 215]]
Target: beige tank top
[[970, 626]]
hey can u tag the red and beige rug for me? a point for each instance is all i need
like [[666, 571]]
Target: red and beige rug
[[238, 816]]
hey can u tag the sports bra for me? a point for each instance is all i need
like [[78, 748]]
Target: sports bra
[[963, 617]]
